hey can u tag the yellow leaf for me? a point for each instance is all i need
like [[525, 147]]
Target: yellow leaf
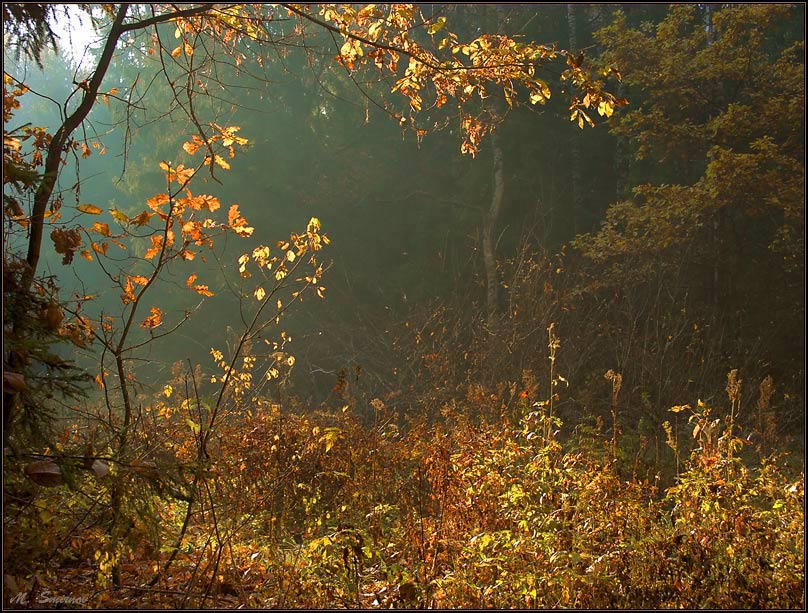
[[605, 108], [437, 26], [222, 162], [167, 391], [119, 216], [346, 48], [260, 293], [243, 260], [90, 209], [374, 30], [290, 255]]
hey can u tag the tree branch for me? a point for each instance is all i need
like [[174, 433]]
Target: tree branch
[[58, 143]]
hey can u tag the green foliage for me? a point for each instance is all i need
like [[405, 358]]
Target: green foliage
[[717, 205], [28, 27], [727, 116]]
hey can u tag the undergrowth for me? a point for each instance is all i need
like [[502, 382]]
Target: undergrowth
[[322, 510]]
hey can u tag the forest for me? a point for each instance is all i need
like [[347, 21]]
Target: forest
[[330, 306]]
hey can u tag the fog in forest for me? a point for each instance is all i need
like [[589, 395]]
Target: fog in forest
[[597, 256]]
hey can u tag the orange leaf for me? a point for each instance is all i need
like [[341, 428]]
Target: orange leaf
[[100, 228], [233, 214], [90, 209], [157, 244], [190, 147], [142, 219], [157, 200], [210, 202], [128, 295], [191, 280], [153, 320], [177, 51], [237, 222], [87, 255], [102, 248], [203, 290], [139, 279]]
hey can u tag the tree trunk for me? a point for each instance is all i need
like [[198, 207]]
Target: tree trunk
[[490, 219], [715, 281], [575, 144], [622, 160], [493, 20], [58, 144]]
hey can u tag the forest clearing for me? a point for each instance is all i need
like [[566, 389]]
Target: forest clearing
[[384, 306]]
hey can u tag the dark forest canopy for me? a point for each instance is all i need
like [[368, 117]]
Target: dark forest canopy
[[445, 305]]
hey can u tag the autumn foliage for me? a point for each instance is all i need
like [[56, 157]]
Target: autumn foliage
[[568, 448], [322, 510]]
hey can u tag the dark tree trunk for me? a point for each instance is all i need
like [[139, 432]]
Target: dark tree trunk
[[575, 143]]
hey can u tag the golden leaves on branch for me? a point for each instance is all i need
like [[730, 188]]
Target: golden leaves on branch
[[154, 320], [202, 290]]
